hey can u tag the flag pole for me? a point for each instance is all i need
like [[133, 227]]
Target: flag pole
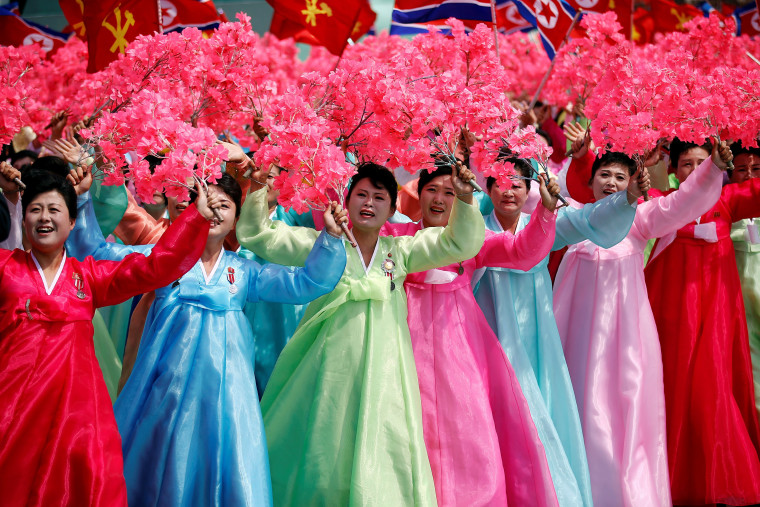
[[495, 31], [554, 60]]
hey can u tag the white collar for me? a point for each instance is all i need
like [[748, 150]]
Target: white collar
[[210, 276], [49, 290], [361, 257]]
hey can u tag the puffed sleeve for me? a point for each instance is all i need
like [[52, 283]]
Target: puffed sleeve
[[605, 222], [280, 284], [272, 240], [178, 250], [87, 238], [522, 250]]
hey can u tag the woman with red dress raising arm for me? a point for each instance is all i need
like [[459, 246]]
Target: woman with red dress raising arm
[[60, 443]]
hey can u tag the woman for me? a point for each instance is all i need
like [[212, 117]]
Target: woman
[[480, 437], [518, 307], [695, 293], [189, 414], [342, 407], [610, 339], [59, 439]]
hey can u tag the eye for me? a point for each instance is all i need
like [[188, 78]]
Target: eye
[[449, 192]]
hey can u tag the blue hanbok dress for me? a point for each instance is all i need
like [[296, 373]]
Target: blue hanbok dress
[[189, 416], [273, 323], [518, 307]]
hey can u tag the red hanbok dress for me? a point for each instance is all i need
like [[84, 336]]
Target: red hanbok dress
[[712, 427], [59, 444]]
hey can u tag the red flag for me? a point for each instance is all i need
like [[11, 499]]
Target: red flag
[[669, 16], [112, 24], [509, 19], [748, 20], [72, 10], [325, 22], [180, 14], [17, 31]]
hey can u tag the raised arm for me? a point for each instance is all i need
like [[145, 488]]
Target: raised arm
[[137, 227], [664, 215], [87, 238], [523, 250], [178, 250], [436, 247], [271, 240], [605, 222], [323, 268]]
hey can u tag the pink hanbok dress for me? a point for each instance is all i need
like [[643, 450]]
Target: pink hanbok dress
[[481, 441], [612, 349]]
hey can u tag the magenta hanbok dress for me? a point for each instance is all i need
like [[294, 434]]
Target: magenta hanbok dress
[[613, 352], [481, 441]]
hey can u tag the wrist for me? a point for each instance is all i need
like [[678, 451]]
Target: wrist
[[335, 234]]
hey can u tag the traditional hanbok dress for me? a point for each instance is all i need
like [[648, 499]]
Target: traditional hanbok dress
[[612, 351], [273, 323], [342, 407], [518, 307], [481, 441], [60, 444], [746, 238], [189, 415], [696, 298]]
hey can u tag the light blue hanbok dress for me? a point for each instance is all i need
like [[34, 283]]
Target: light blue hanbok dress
[[189, 416], [518, 307], [273, 323]]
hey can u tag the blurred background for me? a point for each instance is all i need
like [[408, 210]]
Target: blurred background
[[48, 12]]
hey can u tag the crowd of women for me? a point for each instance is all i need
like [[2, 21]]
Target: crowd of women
[[468, 349]]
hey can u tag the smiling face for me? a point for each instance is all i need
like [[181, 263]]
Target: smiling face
[[610, 179], [219, 230], [47, 223], [509, 202], [746, 166], [369, 207], [690, 160], [436, 199]]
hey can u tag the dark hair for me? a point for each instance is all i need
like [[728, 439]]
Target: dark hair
[[546, 136], [39, 181], [231, 188], [379, 176], [53, 165], [613, 158], [522, 167], [23, 154], [153, 162], [426, 177], [678, 148]]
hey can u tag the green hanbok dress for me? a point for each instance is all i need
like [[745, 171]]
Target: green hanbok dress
[[748, 262], [342, 409]]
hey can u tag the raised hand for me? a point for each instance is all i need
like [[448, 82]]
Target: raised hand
[[9, 176], [204, 203], [722, 156], [335, 219], [58, 122], [258, 178], [549, 190], [460, 178], [69, 150], [80, 178], [578, 136], [638, 185]]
